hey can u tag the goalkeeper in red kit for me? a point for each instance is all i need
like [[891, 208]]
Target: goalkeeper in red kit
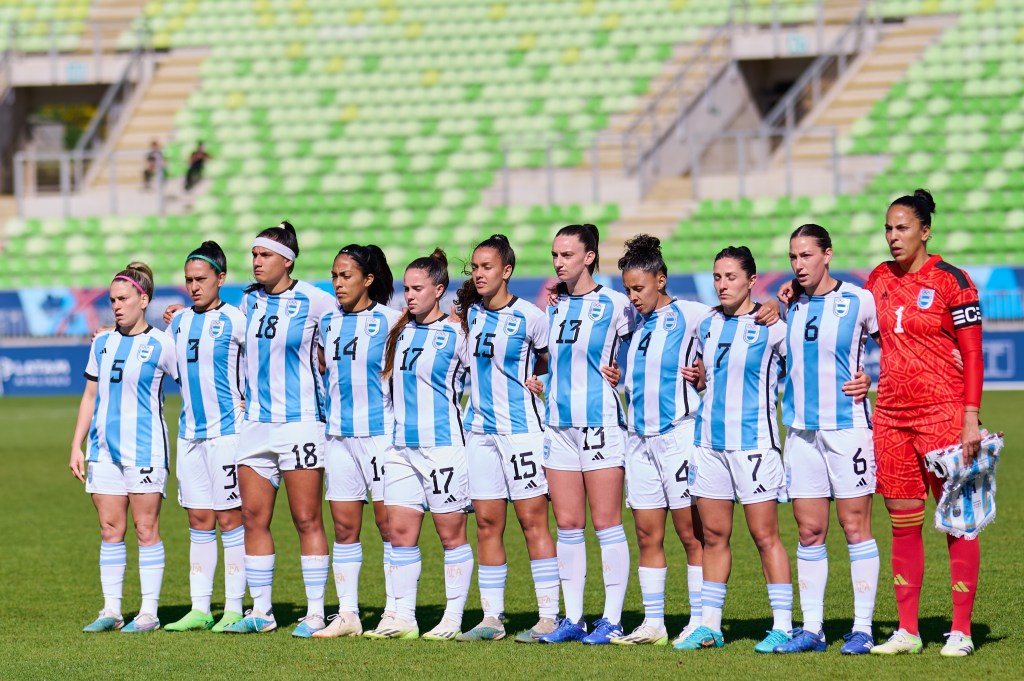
[[928, 311]]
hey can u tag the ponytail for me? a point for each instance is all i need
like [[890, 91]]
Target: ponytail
[[371, 260]]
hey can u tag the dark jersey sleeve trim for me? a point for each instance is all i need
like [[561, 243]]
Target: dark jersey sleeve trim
[[957, 273], [90, 377]]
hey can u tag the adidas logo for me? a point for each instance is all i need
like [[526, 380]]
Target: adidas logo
[[863, 483], [451, 499], [103, 351], [960, 587], [233, 496], [760, 490], [685, 495], [597, 457], [898, 580], [531, 485], [146, 481]]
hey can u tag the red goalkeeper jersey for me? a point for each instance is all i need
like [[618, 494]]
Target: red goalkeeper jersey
[[922, 318]]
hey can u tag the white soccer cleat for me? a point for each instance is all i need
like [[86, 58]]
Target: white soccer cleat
[[685, 633], [446, 630], [900, 643], [645, 634], [342, 624], [957, 645], [394, 627]]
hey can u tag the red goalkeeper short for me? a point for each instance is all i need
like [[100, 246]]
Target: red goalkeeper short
[[901, 441]]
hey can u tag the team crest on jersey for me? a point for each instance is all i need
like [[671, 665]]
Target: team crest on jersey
[[293, 308], [217, 329], [372, 326], [440, 340], [671, 321], [597, 311], [925, 298], [512, 325], [145, 352], [841, 307], [751, 332]]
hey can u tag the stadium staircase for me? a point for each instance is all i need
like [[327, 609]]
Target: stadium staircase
[[110, 18]]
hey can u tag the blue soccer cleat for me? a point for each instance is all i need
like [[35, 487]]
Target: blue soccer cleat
[[309, 625], [803, 641], [566, 631], [701, 637], [775, 638], [142, 623], [108, 620], [603, 633], [857, 643], [254, 622]]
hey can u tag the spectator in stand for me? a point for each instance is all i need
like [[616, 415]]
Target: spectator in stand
[[155, 164], [196, 161]]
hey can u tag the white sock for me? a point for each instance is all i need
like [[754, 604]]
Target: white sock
[[458, 575], [781, 598], [389, 589], [234, 568], [712, 598], [405, 578], [202, 556], [151, 576], [348, 560], [113, 560], [864, 572], [491, 579], [812, 575], [652, 590], [545, 583], [314, 576], [572, 570], [259, 573], [615, 560], [694, 584]]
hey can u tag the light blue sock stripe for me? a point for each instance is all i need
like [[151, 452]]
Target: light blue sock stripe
[[654, 604], [387, 552], [113, 554], [492, 576], [570, 536], [818, 552], [202, 536], [695, 603], [864, 550], [233, 538], [544, 570], [458, 555], [713, 594], [348, 553], [259, 578], [405, 555], [780, 596], [611, 535], [151, 556]]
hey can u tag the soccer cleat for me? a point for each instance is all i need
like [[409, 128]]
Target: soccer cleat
[[900, 643], [545, 625], [685, 633], [254, 622], [645, 634], [775, 637], [489, 629], [342, 624], [446, 630], [857, 643], [142, 623], [566, 631], [701, 637], [957, 645], [603, 633], [803, 641], [309, 625], [107, 620], [194, 620], [228, 618], [394, 627]]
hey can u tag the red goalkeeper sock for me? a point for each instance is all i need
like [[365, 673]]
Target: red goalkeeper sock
[[908, 564], [964, 560]]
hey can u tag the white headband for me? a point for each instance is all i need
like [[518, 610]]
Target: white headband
[[275, 246]]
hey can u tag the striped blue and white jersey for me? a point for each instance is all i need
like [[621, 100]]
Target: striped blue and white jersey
[[357, 397], [128, 426], [282, 370], [742, 363], [427, 385], [658, 396], [209, 346], [825, 348], [585, 335], [501, 353]]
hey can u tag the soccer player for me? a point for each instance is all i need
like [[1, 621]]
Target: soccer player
[[507, 345], [584, 448], [660, 416], [282, 434], [423, 361], [209, 341], [360, 421], [927, 309], [737, 453], [122, 413], [829, 449]]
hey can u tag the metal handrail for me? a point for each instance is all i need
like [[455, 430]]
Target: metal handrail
[[106, 104]]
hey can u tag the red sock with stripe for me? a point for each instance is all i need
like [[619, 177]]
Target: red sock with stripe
[[964, 560], [907, 564]]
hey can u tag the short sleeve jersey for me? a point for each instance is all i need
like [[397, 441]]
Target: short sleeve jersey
[[664, 341], [741, 362], [282, 369], [358, 404], [918, 316], [128, 426], [501, 353], [825, 341], [585, 333], [208, 347]]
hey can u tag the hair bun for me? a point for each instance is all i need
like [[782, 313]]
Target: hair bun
[[286, 226], [925, 197], [439, 256], [498, 237], [644, 244]]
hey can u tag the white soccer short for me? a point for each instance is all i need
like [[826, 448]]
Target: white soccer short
[[658, 468], [751, 476], [830, 463], [207, 477], [271, 448], [107, 477], [505, 466], [437, 477], [584, 449], [355, 467]]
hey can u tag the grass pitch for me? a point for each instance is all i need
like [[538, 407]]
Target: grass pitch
[[49, 589]]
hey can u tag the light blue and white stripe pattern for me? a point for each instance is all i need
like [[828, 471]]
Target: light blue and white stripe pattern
[[545, 570], [489, 576], [654, 605], [259, 577], [712, 594], [348, 553], [151, 556], [113, 554], [458, 555], [233, 538], [570, 536], [863, 551], [202, 536], [811, 553], [780, 596], [611, 535], [405, 555]]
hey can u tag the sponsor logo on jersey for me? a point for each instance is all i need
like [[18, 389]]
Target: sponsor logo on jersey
[[512, 325], [841, 307], [751, 332], [372, 326], [293, 308], [145, 352], [925, 298], [671, 321], [597, 311], [440, 340], [217, 329]]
